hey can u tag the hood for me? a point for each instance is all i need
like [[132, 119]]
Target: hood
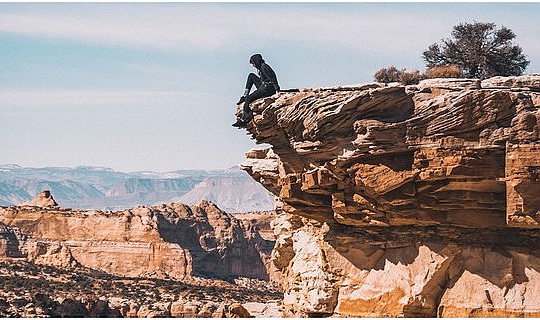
[[257, 60]]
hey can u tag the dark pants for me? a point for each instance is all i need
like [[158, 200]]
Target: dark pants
[[263, 90]]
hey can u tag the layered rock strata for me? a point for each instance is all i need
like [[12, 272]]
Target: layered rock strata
[[173, 240], [405, 200]]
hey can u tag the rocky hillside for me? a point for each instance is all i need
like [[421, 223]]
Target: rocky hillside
[[166, 241], [405, 200], [95, 188]]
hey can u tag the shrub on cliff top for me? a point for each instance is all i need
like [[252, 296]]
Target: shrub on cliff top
[[480, 50], [410, 77], [392, 74]]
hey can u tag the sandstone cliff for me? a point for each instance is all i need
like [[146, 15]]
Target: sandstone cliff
[[172, 241], [405, 200]]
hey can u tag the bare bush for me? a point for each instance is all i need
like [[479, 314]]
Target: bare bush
[[393, 74], [387, 75], [410, 77]]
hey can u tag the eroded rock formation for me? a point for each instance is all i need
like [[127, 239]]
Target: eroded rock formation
[[44, 199], [173, 240], [405, 200]]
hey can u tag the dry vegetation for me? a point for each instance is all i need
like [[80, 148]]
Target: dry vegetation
[[393, 74], [449, 71]]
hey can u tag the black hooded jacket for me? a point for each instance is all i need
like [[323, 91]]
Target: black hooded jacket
[[267, 75]]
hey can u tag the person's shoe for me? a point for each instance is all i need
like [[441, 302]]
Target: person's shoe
[[242, 99], [248, 117], [239, 123]]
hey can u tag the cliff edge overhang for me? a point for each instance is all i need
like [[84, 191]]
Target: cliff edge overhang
[[445, 152], [405, 201]]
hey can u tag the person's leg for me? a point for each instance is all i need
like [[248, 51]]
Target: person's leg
[[257, 94], [252, 79], [247, 114]]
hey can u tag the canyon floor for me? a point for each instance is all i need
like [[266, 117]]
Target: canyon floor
[[33, 290]]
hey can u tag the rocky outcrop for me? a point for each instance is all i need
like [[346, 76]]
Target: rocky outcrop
[[166, 241], [405, 200], [44, 199]]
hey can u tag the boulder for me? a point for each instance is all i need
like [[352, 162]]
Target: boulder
[[236, 310], [71, 308]]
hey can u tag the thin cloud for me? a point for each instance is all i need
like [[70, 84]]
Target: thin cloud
[[205, 28], [188, 27], [75, 98], [150, 68], [192, 28], [117, 31]]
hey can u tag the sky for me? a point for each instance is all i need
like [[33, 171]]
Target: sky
[[153, 86]]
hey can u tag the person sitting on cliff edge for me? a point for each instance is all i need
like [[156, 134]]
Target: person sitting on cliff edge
[[266, 83]]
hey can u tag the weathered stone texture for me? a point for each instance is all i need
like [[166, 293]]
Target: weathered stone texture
[[523, 184], [397, 155], [172, 240], [410, 196], [406, 271]]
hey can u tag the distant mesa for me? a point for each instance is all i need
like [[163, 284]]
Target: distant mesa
[[44, 199]]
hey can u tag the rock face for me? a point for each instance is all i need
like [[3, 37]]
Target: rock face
[[174, 240], [405, 200]]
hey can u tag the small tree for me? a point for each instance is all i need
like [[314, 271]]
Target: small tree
[[480, 50]]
